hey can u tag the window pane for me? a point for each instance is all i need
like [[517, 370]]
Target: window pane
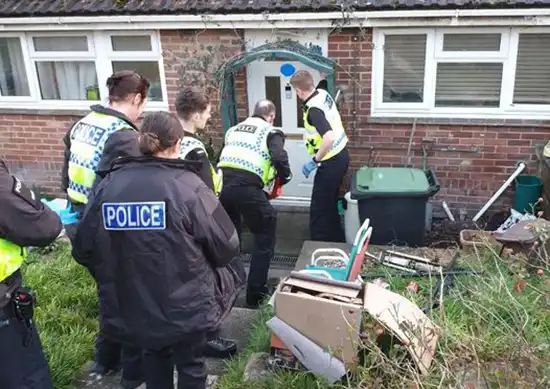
[[13, 77], [131, 43], [64, 80], [404, 60], [532, 84], [468, 84], [471, 42], [273, 93], [300, 113], [147, 69], [61, 43]]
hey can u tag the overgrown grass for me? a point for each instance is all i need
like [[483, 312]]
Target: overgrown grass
[[495, 327], [66, 313]]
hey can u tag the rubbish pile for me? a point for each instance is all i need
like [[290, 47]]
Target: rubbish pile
[[320, 312]]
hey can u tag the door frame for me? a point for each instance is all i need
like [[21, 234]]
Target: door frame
[[280, 50]]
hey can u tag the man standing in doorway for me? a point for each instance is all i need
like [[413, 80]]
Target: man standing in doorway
[[326, 142], [252, 158]]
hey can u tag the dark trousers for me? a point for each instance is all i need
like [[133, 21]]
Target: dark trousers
[[23, 366], [188, 358], [251, 204], [324, 221], [112, 355]]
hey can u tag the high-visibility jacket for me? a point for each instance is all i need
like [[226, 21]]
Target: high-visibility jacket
[[188, 144], [325, 103], [246, 149], [11, 258], [88, 137]]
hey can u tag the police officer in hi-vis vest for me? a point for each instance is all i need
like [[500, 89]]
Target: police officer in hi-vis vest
[[193, 109], [252, 157], [24, 221], [92, 145], [326, 142]]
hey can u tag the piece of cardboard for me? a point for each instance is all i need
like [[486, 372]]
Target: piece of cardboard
[[322, 287], [406, 321], [332, 325]]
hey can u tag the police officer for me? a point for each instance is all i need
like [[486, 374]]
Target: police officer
[[91, 146], [194, 109], [326, 143], [161, 246], [252, 157], [24, 221]]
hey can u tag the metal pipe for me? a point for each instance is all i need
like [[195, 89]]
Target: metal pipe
[[447, 211], [499, 192]]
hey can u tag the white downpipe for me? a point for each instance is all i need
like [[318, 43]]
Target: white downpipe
[[447, 211], [499, 192], [269, 17]]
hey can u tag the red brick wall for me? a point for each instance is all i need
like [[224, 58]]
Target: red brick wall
[[32, 144]]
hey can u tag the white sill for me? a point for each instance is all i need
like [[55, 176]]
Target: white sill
[[473, 114], [64, 107]]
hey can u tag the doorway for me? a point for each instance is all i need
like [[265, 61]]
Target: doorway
[[265, 81]]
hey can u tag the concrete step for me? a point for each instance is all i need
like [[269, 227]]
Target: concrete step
[[292, 230], [236, 326]]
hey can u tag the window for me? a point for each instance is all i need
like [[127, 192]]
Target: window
[[39, 69], [461, 72], [13, 75]]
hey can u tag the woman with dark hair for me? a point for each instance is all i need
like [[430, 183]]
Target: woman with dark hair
[[91, 145], [161, 247]]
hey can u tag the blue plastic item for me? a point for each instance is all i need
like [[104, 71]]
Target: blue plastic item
[[63, 209], [287, 69]]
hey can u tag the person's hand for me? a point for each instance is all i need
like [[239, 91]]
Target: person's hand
[[308, 168]]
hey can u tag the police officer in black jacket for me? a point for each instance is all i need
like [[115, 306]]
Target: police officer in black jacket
[[24, 221], [159, 243]]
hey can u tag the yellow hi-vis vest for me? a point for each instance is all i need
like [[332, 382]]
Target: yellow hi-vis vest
[[88, 138], [188, 144], [11, 258], [246, 149], [325, 103]]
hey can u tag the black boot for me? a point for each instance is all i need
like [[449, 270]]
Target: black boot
[[220, 348], [255, 297]]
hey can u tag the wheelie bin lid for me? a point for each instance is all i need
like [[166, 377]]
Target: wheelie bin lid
[[390, 181]]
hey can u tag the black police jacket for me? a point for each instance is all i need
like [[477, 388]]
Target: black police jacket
[[24, 220], [161, 249]]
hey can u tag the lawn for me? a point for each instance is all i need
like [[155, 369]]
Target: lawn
[[496, 327], [66, 313]]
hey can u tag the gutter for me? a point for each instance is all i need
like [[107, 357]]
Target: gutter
[[531, 16]]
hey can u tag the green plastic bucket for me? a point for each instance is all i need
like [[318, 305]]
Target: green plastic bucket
[[528, 190]]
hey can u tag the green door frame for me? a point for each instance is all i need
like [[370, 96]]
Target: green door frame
[[283, 51]]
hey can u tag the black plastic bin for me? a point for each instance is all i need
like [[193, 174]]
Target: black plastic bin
[[394, 199]]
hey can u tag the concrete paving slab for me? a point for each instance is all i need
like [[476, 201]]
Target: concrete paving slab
[[236, 326]]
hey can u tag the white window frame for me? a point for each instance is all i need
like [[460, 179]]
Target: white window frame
[[99, 50], [434, 54]]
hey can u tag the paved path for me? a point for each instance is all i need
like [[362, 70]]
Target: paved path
[[236, 326]]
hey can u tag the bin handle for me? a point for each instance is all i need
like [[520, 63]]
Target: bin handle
[[435, 187]]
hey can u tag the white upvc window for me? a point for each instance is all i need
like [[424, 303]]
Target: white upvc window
[[68, 70], [478, 73]]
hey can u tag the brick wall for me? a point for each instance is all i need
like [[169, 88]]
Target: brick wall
[[32, 144]]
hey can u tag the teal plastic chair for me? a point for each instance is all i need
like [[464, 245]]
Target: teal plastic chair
[[323, 254]]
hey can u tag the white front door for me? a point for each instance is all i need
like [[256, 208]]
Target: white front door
[[265, 81]]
